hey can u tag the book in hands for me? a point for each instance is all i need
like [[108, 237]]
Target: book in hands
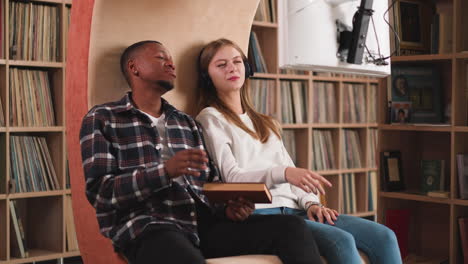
[[223, 192]]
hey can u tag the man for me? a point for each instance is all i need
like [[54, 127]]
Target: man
[[145, 166]]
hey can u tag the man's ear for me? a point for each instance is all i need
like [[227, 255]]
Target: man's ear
[[132, 67]]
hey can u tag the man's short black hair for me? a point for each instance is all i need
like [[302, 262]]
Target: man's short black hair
[[128, 54]]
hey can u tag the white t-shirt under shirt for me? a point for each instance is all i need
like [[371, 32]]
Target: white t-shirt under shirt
[[160, 123], [242, 158]]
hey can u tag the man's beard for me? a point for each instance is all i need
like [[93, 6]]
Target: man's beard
[[166, 85]]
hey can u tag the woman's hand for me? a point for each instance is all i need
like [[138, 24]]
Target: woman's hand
[[307, 180], [239, 210], [318, 213]]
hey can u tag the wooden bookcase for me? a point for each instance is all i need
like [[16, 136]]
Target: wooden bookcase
[[433, 226], [43, 213], [267, 35]]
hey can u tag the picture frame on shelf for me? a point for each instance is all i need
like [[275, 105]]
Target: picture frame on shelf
[[392, 176], [412, 26], [401, 112], [421, 85]]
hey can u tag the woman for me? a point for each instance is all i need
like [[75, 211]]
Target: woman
[[247, 147]]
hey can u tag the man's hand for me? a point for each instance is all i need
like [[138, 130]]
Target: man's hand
[[239, 210], [322, 213], [307, 180], [187, 162]]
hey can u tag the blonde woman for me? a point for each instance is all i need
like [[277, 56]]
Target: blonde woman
[[247, 147]]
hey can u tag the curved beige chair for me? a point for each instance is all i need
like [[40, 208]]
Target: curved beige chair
[[99, 32]]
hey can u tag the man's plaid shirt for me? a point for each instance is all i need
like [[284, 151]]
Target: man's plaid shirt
[[125, 177]]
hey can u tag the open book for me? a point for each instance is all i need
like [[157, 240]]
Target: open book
[[223, 192]]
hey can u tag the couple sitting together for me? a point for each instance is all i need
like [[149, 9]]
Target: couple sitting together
[[145, 164]]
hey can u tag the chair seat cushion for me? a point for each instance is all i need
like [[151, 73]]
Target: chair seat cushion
[[262, 259]]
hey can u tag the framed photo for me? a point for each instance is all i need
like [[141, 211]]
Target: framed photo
[[419, 89], [413, 25], [392, 176], [401, 112]]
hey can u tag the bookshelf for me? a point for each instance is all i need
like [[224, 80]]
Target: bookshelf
[[433, 224], [29, 70], [314, 130]]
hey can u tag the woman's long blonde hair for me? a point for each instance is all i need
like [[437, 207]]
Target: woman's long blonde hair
[[208, 96]]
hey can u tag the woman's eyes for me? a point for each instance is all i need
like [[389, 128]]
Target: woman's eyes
[[224, 64]]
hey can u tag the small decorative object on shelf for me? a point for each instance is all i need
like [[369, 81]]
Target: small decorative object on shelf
[[392, 176]]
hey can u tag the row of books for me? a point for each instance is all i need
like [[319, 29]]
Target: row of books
[[348, 185], [289, 141], [255, 54], [351, 149], [2, 28], [20, 247], [293, 72], [373, 105], [462, 170], [70, 231], [326, 74], [263, 96], [2, 115], [32, 168], [422, 28], [372, 191], [372, 147], [34, 31], [465, 108], [293, 102], [441, 29], [266, 11], [354, 103], [67, 24], [324, 103], [31, 99], [323, 150]]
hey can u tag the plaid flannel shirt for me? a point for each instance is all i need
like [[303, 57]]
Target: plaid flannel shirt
[[125, 177]]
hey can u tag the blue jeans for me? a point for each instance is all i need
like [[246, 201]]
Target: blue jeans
[[339, 243]]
